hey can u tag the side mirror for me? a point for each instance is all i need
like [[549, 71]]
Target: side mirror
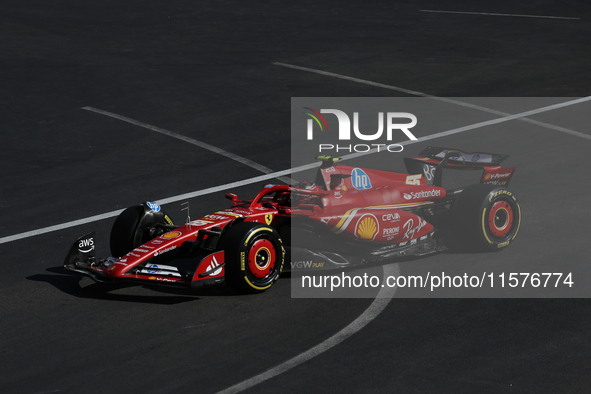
[[232, 197]]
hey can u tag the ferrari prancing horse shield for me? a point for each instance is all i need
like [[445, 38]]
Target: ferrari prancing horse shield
[[268, 218]]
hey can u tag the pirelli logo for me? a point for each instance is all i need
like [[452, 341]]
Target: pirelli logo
[[506, 192]]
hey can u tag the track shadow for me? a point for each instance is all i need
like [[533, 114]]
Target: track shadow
[[82, 287], [457, 247]]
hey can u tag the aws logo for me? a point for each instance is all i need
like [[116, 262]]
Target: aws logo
[[86, 245], [367, 227], [344, 131]]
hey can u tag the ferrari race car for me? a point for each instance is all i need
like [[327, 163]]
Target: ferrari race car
[[348, 216]]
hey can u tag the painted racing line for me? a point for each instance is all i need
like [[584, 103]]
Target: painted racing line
[[442, 99], [497, 14], [385, 294], [375, 308], [287, 172], [201, 144]]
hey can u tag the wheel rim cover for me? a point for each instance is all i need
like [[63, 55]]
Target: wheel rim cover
[[261, 259], [500, 219]]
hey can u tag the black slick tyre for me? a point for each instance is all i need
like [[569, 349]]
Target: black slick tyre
[[486, 217], [124, 230], [135, 226], [254, 257]]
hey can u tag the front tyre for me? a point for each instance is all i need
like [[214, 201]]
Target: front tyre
[[486, 217], [137, 225], [254, 256]]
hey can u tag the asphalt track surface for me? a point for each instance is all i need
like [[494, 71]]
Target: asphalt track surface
[[206, 71]]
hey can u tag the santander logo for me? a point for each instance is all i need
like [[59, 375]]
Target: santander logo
[[422, 194]]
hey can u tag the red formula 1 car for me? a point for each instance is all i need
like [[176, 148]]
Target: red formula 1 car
[[348, 216]]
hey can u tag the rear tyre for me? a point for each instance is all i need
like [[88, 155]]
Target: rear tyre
[[486, 217], [254, 257], [135, 226]]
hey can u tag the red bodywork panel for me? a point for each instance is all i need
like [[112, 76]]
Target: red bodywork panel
[[250, 211], [372, 205], [365, 205], [361, 205]]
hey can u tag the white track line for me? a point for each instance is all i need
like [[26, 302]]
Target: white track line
[[442, 99], [377, 306], [111, 214], [382, 300], [363, 81], [495, 14], [201, 144], [479, 125], [294, 170]]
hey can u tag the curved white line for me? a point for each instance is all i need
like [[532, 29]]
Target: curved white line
[[442, 99], [163, 201], [279, 174], [184, 138], [376, 307], [201, 144], [498, 14]]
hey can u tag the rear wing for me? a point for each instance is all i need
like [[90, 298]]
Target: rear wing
[[432, 160]]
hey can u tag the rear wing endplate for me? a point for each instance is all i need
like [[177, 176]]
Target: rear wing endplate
[[432, 160]]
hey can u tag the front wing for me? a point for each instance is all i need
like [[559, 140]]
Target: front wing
[[210, 269]]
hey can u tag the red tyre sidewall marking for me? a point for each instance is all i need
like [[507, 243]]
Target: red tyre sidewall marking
[[261, 246], [499, 207]]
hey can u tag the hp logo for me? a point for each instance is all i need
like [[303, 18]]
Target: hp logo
[[360, 179]]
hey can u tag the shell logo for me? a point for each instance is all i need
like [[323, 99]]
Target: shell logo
[[171, 235], [367, 227], [487, 177]]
